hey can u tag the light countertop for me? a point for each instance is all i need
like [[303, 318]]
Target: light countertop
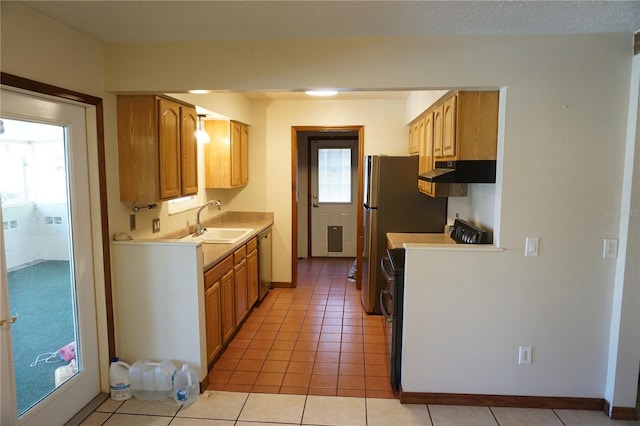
[[433, 242], [214, 253]]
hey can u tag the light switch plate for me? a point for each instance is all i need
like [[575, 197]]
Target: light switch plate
[[531, 246], [610, 250]]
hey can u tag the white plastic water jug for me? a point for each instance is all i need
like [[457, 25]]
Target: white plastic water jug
[[119, 380], [151, 381], [185, 385]]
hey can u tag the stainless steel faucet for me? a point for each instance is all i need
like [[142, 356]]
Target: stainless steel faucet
[[199, 228]]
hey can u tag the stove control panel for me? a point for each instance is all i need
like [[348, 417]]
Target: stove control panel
[[464, 232]]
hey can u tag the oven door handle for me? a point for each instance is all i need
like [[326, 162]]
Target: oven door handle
[[388, 275], [386, 316]]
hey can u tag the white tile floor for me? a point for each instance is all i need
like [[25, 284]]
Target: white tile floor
[[217, 408]]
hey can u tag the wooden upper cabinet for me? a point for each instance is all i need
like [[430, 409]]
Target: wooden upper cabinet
[[227, 155], [463, 125], [156, 148], [469, 126]]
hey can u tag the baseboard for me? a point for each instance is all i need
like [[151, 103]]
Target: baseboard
[[502, 400], [204, 384], [624, 413], [281, 284]]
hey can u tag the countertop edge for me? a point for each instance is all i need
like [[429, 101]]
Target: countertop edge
[[453, 247]]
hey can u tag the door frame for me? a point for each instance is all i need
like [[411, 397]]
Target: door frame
[[17, 82], [294, 194]]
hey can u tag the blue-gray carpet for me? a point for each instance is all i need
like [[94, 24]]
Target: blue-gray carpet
[[41, 296]]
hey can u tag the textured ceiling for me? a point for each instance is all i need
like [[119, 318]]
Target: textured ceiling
[[163, 21], [135, 21]]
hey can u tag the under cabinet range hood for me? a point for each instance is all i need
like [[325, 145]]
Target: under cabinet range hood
[[463, 171]]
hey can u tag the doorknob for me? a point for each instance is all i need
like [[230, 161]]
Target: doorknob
[[9, 321]]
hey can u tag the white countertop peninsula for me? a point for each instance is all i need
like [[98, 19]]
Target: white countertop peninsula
[[449, 309]]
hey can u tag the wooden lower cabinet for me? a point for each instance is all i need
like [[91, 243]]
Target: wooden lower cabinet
[[231, 290], [252, 272]]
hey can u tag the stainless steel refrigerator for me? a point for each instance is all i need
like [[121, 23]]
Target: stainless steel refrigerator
[[392, 203]]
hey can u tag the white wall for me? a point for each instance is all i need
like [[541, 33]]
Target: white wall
[[565, 105], [33, 239]]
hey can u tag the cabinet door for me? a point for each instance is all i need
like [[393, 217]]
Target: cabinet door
[[414, 143], [228, 316], [188, 151], [437, 132], [240, 283], [212, 313], [252, 273], [426, 154], [169, 149], [449, 127], [244, 154], [236, 153]]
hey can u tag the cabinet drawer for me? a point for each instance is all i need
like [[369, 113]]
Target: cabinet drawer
[[216, 272], [239, 254], [252, 245]]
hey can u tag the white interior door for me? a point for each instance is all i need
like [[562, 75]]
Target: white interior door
[[49, 354], [333, 198]]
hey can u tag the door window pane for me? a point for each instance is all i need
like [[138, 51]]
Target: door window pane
[[36, 222], [334, 175]]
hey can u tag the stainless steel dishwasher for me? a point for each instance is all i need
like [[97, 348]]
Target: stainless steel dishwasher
[[264, 262]]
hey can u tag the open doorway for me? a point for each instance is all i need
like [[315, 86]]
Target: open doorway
[[332, 237]]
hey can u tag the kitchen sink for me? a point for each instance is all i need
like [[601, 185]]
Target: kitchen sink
[[220, 235]]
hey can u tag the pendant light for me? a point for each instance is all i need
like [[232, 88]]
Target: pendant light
[[201, 135]]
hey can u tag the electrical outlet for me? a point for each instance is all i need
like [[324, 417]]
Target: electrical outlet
[[610, 249], [132, 222], [155, 224], [524, 355], [531, 246]]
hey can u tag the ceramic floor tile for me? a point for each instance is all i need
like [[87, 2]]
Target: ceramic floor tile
[[507, 416], [453, 415], [109, 405], [95, 419], [273, 408], [334, 410], [137, 420], [216, 405], [385, 412], [168, 407], [588, 418]]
